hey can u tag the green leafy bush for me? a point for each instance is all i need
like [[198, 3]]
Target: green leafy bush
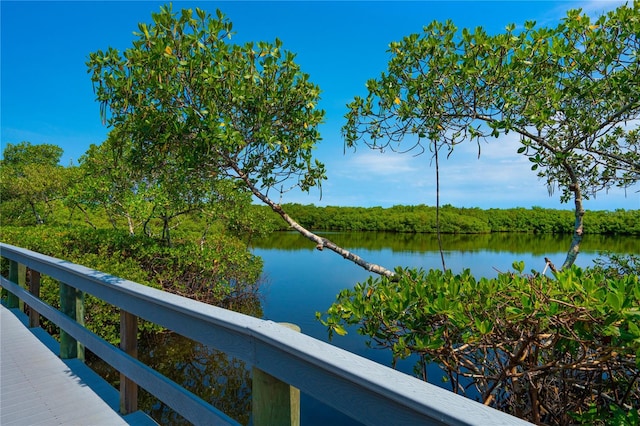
[[222, 272], [536, 347], [454, 220]]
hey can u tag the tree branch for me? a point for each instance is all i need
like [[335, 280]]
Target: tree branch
[[574, 248], [321, 242]]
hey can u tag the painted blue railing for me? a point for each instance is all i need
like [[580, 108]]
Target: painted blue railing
[[364, 390]]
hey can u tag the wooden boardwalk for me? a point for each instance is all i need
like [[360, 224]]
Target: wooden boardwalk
[[360, 388], [38, 388]]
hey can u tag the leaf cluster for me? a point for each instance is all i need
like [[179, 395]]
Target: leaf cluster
[[188, 100], [571, 93], [153, 202], [533, 346], [31, 180], [222, 272]]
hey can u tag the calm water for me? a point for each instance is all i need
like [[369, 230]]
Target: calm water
[[300, 281]]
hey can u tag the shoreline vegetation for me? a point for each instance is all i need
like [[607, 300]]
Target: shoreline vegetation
[[455, 220]]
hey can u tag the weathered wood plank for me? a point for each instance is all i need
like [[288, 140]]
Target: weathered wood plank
[[38, 387], [274, 402], [34, 288], [72, 305], [12, 299]]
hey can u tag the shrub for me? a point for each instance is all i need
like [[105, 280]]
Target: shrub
[[537, 347]]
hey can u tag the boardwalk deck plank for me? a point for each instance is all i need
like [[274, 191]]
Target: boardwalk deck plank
[[36, 387]]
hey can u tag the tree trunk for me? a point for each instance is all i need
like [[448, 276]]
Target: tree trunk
[[85, 214], [166, 235], [130, 224], [321, 242], [39, 220], [439, 234], [112, 220], [574, 248], [145, 225]]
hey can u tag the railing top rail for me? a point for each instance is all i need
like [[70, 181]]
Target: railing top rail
[[361, 388]]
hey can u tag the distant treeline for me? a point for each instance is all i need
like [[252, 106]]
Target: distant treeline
[[454, 220]]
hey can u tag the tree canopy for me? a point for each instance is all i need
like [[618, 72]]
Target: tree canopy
[[156, 198], [186, 100], [25, 153], [185, 93], [31, 178], [572, 93]]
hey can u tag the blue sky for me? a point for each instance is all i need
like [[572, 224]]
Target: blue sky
[[46, 94]]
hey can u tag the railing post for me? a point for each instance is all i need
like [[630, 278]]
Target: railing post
[[274, 402], [34, 288], [72, 305], [129, 344], [12, 299], [22, 282]]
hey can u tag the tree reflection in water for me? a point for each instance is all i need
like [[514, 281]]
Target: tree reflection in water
[[222, 381]]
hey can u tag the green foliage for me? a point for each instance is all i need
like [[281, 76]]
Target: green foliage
[[222, 272], [100, 318], [32, 182], [184, 98], [620, 265], [422, 218], [611, 415], [25, 153], [108, 184], [153, 202], [533, 346], [569, 92]]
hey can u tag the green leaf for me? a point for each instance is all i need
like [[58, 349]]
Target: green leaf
[[518, 266], [338, 329], [513, 311], [614, 301]]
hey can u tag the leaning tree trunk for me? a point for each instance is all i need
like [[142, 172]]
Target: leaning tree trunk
[[36, 214], [574, 248], [132, 230], [321, 242]]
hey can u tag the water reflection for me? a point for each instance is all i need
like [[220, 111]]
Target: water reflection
[[222, 381], [421, 243], [302, 281]]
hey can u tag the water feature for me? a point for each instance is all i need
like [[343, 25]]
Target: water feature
[[300, 281]]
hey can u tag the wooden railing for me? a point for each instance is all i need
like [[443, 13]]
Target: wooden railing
[[364, 390]]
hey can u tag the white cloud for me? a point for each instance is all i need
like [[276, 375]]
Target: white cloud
[[593, 8], [500, 177], [373, 165]]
